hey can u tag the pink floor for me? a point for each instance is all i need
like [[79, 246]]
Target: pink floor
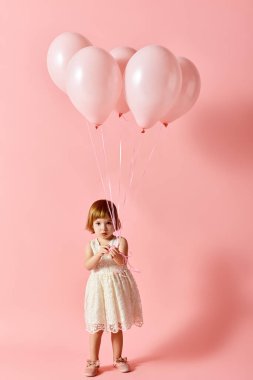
[[149, 359]]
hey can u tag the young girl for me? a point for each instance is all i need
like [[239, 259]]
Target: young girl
[[112, 299]]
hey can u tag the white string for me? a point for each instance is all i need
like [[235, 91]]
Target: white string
[[134, 156], [111, 208], [120, 170], [130, 175], [157, 140], [99, 168], [96, 157]]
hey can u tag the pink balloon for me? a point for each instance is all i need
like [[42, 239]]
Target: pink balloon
[[122, 56], [61, 49], [93, 83], [189, 92], [152, 82]]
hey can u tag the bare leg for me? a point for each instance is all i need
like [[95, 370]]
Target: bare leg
[[117, 344], [95, 341]]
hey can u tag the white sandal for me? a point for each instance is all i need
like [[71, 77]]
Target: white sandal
[[92, 368], [121, 364]]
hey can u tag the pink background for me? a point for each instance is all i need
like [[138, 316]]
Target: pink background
[[189, 225]]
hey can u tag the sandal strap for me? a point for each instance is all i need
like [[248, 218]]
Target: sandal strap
[[121, 360], [95, 363]]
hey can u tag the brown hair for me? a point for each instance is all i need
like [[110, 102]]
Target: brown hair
[[103, 209]]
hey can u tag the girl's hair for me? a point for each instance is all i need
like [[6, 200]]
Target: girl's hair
[[102, 209]]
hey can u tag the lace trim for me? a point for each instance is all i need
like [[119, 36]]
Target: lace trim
[[114, 327]]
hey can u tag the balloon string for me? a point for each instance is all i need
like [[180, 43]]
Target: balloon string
[[120, 170], [119, 180], [132, 170], [157, 140], [98, 166], [119, 187], [122, 142], [134, 163], [127, 263], [111, 208], [132, 167], [96, 157]]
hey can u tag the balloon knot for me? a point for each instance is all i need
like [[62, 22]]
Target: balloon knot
[[143, 130], [97, 125], [120, 114], [165, 124]]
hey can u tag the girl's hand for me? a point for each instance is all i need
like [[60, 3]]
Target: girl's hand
[[114, 251], [104, 249]]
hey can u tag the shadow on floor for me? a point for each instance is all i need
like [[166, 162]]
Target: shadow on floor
[[223, 300]]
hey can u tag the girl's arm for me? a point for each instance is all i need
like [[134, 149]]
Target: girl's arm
[[92, 260], [123, 249]]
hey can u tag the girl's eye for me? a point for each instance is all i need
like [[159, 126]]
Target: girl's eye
[[98, 223]]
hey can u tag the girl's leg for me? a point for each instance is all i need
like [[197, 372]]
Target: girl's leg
[[95, 340], [117, 344]]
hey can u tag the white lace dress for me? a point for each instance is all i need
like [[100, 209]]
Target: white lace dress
[[112, 299]]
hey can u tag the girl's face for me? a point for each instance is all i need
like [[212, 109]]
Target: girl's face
[[103, 227]]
